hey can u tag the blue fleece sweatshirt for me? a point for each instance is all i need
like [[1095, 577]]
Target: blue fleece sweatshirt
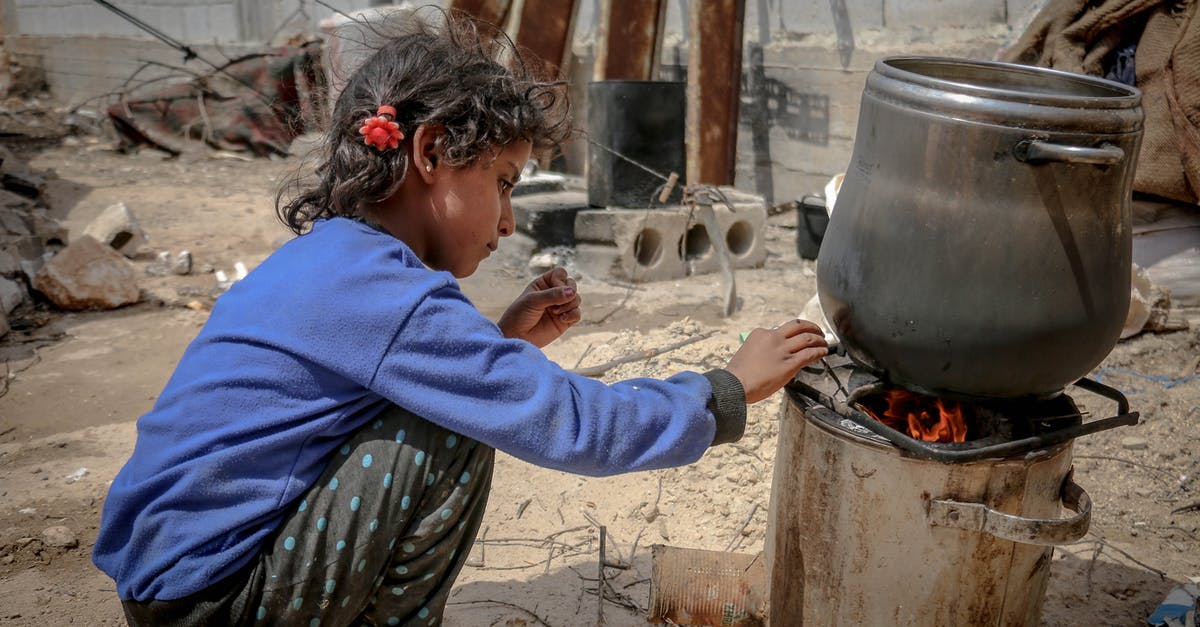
[[314, 343]]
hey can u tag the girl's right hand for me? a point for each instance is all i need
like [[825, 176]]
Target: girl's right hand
[[769, 358]]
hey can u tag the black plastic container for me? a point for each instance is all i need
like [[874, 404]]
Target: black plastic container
[[643, 120], [811, 220]]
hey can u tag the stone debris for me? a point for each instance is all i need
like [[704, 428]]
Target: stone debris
[[224, 281], [60, 536], [1149, 307], [28, 235], [117, 227], [88, 275], [1134, 443], [165, 265], [79, 473], [11, 295]]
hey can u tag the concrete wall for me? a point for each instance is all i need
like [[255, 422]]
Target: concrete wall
[[86, 50], [805, 60]]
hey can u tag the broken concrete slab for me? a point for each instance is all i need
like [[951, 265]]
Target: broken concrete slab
[[88, 275], [117, 227]]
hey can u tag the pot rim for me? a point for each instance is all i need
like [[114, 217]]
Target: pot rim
[[1118, 96]]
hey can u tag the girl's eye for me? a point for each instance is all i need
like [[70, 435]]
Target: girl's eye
[[505, 185]]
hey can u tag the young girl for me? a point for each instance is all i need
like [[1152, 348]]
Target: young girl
[[323, 452]]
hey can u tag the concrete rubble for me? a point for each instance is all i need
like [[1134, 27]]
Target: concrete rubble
[[88, 275], [117, 227], [28, 235], [60, 536]]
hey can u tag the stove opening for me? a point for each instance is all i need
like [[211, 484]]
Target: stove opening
[[921, 417], [947, 421]]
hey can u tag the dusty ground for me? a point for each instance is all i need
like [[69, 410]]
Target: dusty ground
[[78, 383]]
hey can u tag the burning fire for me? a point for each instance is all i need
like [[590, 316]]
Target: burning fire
[[923, 417]]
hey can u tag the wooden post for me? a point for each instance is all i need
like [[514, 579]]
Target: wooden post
[[545, 28], [714, 85], [629, 39], [491, 11]]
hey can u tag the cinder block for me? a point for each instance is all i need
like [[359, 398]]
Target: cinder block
[[636, 245], [742, 229], [642, 245]]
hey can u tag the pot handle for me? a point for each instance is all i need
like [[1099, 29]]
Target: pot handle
[[1038, 151], [1040, 531]]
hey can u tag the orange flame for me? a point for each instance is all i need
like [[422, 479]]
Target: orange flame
[[923, 417]]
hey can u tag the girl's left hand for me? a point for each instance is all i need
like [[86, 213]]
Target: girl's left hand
[[544, 311]]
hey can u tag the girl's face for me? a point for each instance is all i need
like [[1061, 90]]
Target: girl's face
[[454, 217], [476, 210]]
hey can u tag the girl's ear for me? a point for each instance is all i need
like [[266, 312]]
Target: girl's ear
[[425, 150]]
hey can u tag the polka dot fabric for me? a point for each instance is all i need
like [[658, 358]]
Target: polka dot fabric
[[382, 534]]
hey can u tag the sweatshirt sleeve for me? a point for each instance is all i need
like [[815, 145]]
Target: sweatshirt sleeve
[[452, 366]]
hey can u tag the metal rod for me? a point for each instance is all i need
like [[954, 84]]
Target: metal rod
[[1110, 393], [600, 579]]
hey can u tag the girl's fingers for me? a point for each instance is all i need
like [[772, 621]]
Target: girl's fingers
[[805, 340], [570, 317], [569, 306], [796, 326]]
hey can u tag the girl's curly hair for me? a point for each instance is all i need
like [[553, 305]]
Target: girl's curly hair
[[442, 69]]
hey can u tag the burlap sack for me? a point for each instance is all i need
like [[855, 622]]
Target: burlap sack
[[1073, 36], [1168, 73]]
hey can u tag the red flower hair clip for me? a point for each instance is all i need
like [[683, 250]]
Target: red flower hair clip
[[380, 131]]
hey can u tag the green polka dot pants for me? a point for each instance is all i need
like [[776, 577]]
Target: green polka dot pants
[[383, 534]]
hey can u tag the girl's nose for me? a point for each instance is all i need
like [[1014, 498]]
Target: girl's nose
[[507, 221]]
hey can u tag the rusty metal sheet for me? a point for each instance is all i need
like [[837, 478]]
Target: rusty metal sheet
[[492, 11], [714, 85], [697, 587], [629, 40], [545, 29]]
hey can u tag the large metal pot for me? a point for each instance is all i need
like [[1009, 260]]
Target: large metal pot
[[981, 241]]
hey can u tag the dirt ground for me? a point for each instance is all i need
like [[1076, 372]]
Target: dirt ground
[[77, 382]]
